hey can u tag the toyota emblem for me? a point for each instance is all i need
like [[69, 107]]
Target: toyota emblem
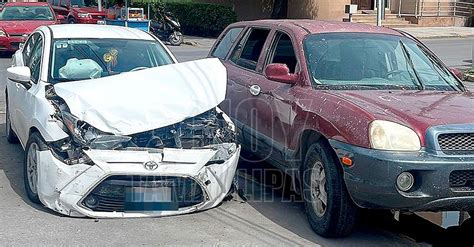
[[150, 165]]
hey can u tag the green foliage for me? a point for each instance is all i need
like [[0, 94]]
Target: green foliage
[[201, 19]]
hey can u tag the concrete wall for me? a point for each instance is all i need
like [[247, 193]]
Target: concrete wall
[[297, 9]]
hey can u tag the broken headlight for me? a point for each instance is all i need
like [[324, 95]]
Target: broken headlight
[[88, 136]]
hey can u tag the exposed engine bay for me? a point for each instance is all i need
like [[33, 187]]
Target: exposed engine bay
[[207, 130]]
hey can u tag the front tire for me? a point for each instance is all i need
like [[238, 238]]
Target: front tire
[[31, 165], [71, 21], [176, 38], [329, 208], [11, 136]]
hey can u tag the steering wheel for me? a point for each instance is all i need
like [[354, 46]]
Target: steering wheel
[[138, 68]]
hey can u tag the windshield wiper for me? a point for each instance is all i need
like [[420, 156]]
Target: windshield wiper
[[407, 55]]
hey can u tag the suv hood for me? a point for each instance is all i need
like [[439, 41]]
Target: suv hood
[[90, 10], [22, 27], [417, 109], [148, 99]]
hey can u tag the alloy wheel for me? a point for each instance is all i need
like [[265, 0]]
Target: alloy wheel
[[318, 189], [32, 167]]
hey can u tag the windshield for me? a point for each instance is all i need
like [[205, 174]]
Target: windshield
[[81, 59], [26, 13], [374, 61], [83, 3]]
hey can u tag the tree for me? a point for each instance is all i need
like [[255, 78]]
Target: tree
[[280, 9]]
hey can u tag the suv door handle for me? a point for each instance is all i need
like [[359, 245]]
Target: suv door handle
[[255, 90]]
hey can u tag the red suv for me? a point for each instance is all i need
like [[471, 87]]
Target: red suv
[[78, 11], [360, 116]]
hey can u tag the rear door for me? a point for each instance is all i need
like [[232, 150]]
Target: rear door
[[245, 74]]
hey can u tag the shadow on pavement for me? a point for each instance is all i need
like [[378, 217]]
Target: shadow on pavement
[[11, 163], [270, 193], [6, 54]]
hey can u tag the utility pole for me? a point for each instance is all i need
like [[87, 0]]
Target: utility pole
[[380, 8]]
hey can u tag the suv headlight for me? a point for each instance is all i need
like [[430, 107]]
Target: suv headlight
[[83, 15], [387, 135], [2, 33]]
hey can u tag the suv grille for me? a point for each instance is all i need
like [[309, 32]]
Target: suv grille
[[462, 178], [111, 194], [457, 144]]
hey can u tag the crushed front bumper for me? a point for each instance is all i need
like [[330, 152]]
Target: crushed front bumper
[[442, 183], [64, 188]]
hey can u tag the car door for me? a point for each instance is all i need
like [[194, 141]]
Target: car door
[[25, 102], [277, 97], [245, 74], [14, 88]]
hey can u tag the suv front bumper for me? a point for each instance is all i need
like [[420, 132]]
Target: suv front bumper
[[371, 180]]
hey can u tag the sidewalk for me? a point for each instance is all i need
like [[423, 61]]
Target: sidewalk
[[419, 32], [439, 32]]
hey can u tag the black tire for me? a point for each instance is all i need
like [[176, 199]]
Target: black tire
[[37, 142], [71, 21], [339, 216], [10, 134], [176, 38]]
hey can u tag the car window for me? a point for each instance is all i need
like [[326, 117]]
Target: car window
[[26, 13], [224, 45], [81, 59], [247, 53], [365, 60], [35, 60], [283, 51], [28, 47], [56, 2]]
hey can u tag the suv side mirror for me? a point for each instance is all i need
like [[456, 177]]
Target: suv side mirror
[[458, 73], [281, 73], [21, 75]]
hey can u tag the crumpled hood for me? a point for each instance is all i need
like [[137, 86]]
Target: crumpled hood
[[22, 27], [148, 99], [417, 109]]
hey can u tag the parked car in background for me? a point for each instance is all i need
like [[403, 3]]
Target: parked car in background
[[360, 116], [82, 101], [19, 19], [78, 11]]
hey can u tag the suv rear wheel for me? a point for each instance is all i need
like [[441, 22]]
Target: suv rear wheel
[[329, 208], [71, 20]]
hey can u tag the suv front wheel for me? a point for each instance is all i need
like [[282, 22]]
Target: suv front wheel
[[329, 208]]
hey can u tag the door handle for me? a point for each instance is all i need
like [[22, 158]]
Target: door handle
[[255, 90]]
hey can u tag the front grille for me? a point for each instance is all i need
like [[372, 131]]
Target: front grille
[[461, 179], [16, 35], [457, 144], [111, 194]]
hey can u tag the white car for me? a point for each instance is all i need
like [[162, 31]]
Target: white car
[[113, 126]]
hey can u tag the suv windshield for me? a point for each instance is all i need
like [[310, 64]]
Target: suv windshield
[[81, 59], [26, 13], [374, 61], [83, 3]]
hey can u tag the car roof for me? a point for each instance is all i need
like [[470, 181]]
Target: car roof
[[316, 26], [9, 4], [94, 31]]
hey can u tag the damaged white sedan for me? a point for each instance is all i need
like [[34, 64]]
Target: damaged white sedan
[[113, 126]]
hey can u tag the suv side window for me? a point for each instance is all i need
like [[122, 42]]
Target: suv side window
[[247, 53], [28, 47], [35, 60], [283, 52], [224, 45], [55, 2]]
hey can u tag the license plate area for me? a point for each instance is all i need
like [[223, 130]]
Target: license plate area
[[149, 199]]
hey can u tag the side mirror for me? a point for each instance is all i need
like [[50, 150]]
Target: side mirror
[[458, 73], [281, 73], [60, 18], [20, 74]]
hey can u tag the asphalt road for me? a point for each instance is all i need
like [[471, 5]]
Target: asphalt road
[[271, 215]]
